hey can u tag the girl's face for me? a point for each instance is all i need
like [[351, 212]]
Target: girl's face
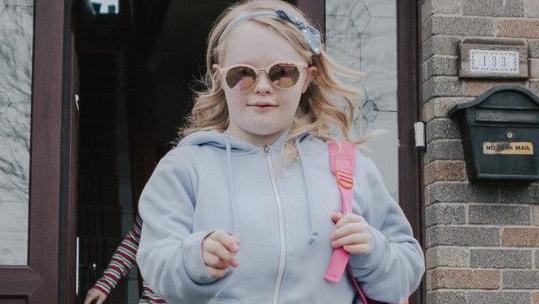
[[261, 114]]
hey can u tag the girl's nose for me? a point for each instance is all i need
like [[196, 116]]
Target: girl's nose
[[263, 85]]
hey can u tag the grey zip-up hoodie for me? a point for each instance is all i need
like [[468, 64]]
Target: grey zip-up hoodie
[[281, 215]]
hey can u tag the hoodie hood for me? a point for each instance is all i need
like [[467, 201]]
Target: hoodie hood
[[232, 144], [219, 140]]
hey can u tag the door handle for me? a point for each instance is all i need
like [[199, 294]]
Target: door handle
[[77, 98]]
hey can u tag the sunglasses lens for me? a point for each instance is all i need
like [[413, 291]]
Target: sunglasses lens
[[240, 78], [284, 75]]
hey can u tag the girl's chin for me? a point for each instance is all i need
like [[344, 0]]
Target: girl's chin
[[267, 130]]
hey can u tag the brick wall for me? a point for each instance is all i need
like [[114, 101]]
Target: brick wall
[[482, 240]]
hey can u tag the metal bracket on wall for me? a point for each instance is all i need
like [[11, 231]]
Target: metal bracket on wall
[[419, 134]]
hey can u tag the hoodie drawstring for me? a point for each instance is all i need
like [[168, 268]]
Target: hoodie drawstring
[[314, 234], [231, 188]]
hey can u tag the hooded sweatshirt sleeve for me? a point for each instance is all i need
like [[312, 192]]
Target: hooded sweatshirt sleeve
[[170, 253], [395, 266]]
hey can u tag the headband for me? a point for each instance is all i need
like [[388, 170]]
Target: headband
[[311, 35]]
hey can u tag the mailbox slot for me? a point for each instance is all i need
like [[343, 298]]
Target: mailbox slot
[[500, 134], [515, 116]]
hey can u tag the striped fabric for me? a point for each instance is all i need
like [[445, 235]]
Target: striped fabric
[[122, 261]]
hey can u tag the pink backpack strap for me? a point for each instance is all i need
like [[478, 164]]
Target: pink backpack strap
[[342, 161]]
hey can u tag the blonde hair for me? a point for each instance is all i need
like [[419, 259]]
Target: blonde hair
[[317, 113]]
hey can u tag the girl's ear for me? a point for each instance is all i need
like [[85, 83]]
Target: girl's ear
[[311, 74]]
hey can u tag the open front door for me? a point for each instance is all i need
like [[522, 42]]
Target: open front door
[[69, 243], [47, 184]]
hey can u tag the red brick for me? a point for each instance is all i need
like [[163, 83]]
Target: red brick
[[520, 237], [478, 87], [445, 170], [518, 28], [463, 279]]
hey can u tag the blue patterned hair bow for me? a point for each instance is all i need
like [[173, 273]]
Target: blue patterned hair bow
[[312, 35]]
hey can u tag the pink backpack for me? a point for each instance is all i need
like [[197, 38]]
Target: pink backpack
[[342, 161]]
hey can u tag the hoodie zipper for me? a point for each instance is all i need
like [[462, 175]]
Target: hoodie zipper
[[282, 254]]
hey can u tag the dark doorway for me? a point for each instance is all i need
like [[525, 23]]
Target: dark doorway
[[134, 90], [138, 62]]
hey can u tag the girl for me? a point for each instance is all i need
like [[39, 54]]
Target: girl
[[245, 208]]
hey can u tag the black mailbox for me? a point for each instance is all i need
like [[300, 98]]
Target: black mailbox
[[500, 134]]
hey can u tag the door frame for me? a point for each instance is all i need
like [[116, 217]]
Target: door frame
[[38, 281], [52, 188], [408, 105]]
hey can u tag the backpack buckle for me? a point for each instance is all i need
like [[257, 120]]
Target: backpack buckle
[[345, 179]]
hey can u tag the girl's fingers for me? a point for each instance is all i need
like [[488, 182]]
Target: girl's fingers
[[358, 249], [221, 252], [216, 273], [90, 299], [227, 240], [352, 239], [214, 261], [349, 218], [348, 229], [336, 216], [95, 297]]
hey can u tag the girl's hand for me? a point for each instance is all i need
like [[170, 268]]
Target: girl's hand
[[352, 233], [95, 296], [219, 252]]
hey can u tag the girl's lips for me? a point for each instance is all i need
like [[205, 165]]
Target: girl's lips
[[263, 105], [263, 108]]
